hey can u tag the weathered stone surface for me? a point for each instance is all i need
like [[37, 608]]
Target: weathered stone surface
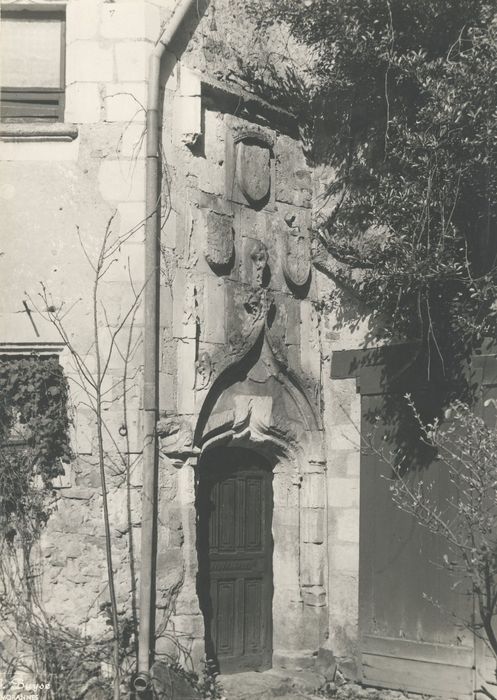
[[176, 438], [214, 136], [253, 169], [313, 491], [259, 257], [293, 178], [204, 371], [217, 234], [212, 318], [315, 596], [313, 525], [313, 564]]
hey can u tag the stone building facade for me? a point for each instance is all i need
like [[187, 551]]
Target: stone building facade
[[245, 347], [240, 358]]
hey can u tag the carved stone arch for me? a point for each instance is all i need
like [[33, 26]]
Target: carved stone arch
[[259, 404], [259, 354]]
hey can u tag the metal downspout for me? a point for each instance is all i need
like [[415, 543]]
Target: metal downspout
[[150, 345]]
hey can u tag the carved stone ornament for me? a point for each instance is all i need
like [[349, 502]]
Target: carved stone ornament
[[259, 257], [297, 260], [253, 166], [259, 303], [218, 237], [203, 371], [176, 439]]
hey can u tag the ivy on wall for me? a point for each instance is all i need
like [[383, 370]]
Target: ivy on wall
[[34, 440]]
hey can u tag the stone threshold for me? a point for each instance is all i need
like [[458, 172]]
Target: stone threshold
[[297, 685]]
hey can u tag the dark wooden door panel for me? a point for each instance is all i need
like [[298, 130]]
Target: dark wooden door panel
[[235, 561], [224, 597], [407, 600]]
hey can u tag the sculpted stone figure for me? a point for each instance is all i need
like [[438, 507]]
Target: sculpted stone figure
[[259, 256]]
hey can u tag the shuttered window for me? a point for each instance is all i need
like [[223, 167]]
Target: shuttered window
[[32, 65]]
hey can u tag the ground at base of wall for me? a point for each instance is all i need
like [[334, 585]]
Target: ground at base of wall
[[301, 686], [353, 691]]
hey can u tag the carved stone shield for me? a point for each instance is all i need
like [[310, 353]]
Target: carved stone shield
[[253, 170], [218, 239], [297, 261]]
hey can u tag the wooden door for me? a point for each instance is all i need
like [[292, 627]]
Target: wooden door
[[235, 559], [408, 608]]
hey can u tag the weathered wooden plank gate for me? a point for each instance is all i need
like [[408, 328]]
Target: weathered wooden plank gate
[[408, 636]]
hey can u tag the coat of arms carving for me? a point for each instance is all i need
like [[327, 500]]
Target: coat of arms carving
[[296, 259], [253, 166]]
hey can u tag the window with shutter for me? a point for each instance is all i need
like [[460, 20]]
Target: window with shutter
[[32, 65]]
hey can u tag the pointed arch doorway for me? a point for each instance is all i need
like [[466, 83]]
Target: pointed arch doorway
[[235, 549]]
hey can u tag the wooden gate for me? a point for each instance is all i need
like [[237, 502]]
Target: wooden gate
[[408, 608], [235, 559]]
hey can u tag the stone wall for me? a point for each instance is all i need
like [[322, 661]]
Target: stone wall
[[237, 294], [237, 275], [62, 186]]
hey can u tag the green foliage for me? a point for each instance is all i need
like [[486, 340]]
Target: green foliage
[[34, 394], [400, 101], [34, 435]]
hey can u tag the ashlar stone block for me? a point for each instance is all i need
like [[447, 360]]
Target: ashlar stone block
[[347, 437], [184, 305], [130, 20], [214, 143], [212, 328], [126, 102], [312, 571], [189, 82], [132, 60], [83, 103], [313, 525], [343, 492], [82, 20], [186, 376], [313, 491], [346, 524], [310, 356], [89, 61], [344, 557]]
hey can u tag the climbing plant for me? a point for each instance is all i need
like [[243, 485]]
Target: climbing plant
[[34, 437], [398, 101]]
